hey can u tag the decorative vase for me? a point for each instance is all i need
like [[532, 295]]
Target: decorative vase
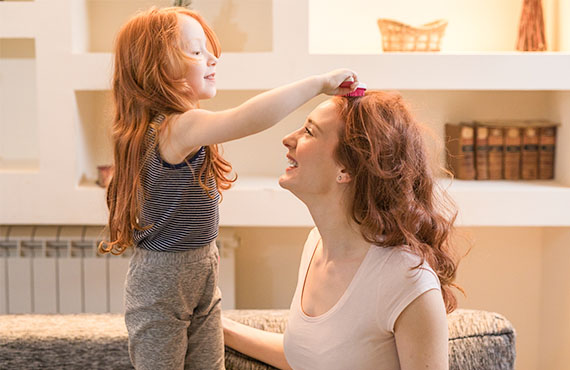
[[531, 28], [104, 175]]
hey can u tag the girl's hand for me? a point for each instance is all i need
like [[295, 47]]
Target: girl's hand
[[331, 82]]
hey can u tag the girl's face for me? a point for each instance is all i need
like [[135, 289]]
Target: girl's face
[[202, 71], [312, 168]]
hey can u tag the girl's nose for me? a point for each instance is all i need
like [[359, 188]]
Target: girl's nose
[[212, 60]]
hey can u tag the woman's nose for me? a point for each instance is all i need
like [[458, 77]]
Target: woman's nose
[[289, 141]]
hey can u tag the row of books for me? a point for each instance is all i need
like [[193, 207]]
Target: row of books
[[494, 150]]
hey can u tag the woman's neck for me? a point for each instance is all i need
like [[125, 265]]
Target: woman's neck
[[340, 234]]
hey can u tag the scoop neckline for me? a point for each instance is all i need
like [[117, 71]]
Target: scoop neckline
[[344, 295]]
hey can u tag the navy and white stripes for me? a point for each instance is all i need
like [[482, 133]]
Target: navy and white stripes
[[180, 214]]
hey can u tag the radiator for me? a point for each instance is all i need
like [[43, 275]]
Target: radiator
[[56, 269]]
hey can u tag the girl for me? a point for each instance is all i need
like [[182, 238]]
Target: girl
[[164, 195], [376, 273]]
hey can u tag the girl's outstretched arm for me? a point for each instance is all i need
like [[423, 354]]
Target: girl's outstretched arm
[[198, 127], [259, 344]]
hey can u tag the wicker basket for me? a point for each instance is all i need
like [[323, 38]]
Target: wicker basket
[[397, 36]]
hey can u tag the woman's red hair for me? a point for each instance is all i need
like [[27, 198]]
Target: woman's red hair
[[149, 78], [395, 195]]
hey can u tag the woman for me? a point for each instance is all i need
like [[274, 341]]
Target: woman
[[376, 273]]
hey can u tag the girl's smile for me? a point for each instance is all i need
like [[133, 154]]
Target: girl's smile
[[201, 74]]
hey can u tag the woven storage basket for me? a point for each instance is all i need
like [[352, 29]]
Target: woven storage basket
[[397, 36]]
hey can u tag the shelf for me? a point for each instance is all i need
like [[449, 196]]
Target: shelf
[[510, 203], [398, 71], [469, 71], [266, 204], [18, 166], [259, 201], [492, 203]]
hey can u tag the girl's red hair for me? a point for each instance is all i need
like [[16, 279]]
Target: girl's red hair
[[395, 197], [148, 79]]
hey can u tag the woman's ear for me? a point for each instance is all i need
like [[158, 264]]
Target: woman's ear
[[343, 177]]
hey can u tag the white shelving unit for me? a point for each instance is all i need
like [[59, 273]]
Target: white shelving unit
[[72, 72], [73, 114]]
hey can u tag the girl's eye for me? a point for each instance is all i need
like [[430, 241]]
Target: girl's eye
[[308, 131], [197, 52]]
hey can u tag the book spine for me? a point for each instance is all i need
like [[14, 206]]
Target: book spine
[[460, 150], [481, 152], [529, 154], [546, 151], [495, 154], [512, 155]]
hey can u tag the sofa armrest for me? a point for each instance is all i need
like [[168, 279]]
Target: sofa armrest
[[480, 340]]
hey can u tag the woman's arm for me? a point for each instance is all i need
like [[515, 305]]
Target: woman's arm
[[259, 344], [422, 334], [198, 127]]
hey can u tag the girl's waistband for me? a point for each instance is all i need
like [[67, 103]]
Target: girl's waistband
[[188, 256]]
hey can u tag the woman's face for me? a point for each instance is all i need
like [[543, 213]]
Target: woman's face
[[312, 168], [202, 71]]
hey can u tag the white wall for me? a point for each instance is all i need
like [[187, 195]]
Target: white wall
[[18, 110], [555, 328], [267, 262], [244, 25], [503, 273]]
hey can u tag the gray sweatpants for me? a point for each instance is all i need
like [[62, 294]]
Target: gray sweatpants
[[173, 310]]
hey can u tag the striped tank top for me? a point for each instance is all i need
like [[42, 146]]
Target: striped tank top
[[179, 212]]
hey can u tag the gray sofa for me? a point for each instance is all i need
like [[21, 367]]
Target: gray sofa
[[477, 340]]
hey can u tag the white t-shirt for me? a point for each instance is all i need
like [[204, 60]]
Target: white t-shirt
[[358, 331]]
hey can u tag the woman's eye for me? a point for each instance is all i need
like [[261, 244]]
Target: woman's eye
[[308, 131], [196, 52]]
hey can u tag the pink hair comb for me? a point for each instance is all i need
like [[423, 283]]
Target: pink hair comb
[[360, 89]]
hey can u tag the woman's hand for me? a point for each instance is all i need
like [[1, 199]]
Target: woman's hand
[[331, 82], [262, 345], [229, 327]]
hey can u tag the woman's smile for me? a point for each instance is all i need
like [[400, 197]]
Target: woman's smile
[[292, 163]]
